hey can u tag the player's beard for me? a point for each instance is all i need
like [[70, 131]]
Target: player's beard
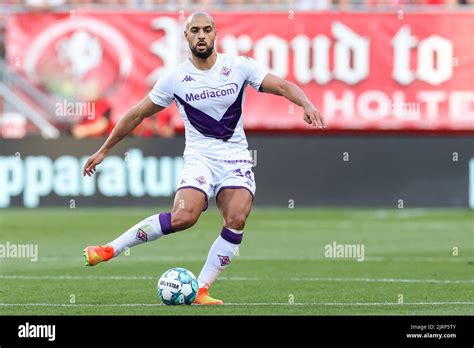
[[204, 54]]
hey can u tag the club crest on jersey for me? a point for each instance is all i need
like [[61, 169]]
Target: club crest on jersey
[[224, 260], [225, 71], [188, 78], [141, 235], [201, 180]]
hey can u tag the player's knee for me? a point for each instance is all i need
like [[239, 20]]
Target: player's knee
[[183, 219], [236, 221]]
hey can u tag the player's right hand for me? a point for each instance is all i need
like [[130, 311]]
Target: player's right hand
[[92, 162]]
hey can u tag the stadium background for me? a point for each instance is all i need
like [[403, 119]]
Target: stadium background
[[394, 80]]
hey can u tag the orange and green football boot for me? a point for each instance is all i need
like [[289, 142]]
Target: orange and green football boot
[[99, 253], [203, 298]]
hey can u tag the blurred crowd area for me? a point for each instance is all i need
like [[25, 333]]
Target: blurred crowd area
[[222, 4], [102, 123]]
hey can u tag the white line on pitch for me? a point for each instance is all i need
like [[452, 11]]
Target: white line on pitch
[[69, 305], [310, 279], [194, 259], [389, 280], [355, 303], [259, 258]]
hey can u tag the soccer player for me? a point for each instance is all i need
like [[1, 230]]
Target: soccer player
[[208, 89]]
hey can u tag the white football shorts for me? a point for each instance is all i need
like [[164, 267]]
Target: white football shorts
[[210, 175]]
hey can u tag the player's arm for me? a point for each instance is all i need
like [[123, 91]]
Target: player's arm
[[278, 86], [125, 125]]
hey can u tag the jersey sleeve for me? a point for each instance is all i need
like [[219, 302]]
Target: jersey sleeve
[[254, 73], [162, 93]]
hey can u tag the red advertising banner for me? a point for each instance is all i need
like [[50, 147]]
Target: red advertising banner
[[363, 71]]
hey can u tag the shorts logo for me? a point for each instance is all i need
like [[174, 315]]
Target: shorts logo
[[183, 182], [141, 235], [225, 71], [201, 180], [224, 260]]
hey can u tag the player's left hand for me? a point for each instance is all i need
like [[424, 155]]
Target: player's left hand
[[93, 162], [313, 117]]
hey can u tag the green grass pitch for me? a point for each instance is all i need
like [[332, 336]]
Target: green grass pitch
[[423, 258]]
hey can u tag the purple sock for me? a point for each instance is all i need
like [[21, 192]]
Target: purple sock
[[231, 237], [165, 222]]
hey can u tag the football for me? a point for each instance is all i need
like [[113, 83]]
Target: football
[[177, 286]]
